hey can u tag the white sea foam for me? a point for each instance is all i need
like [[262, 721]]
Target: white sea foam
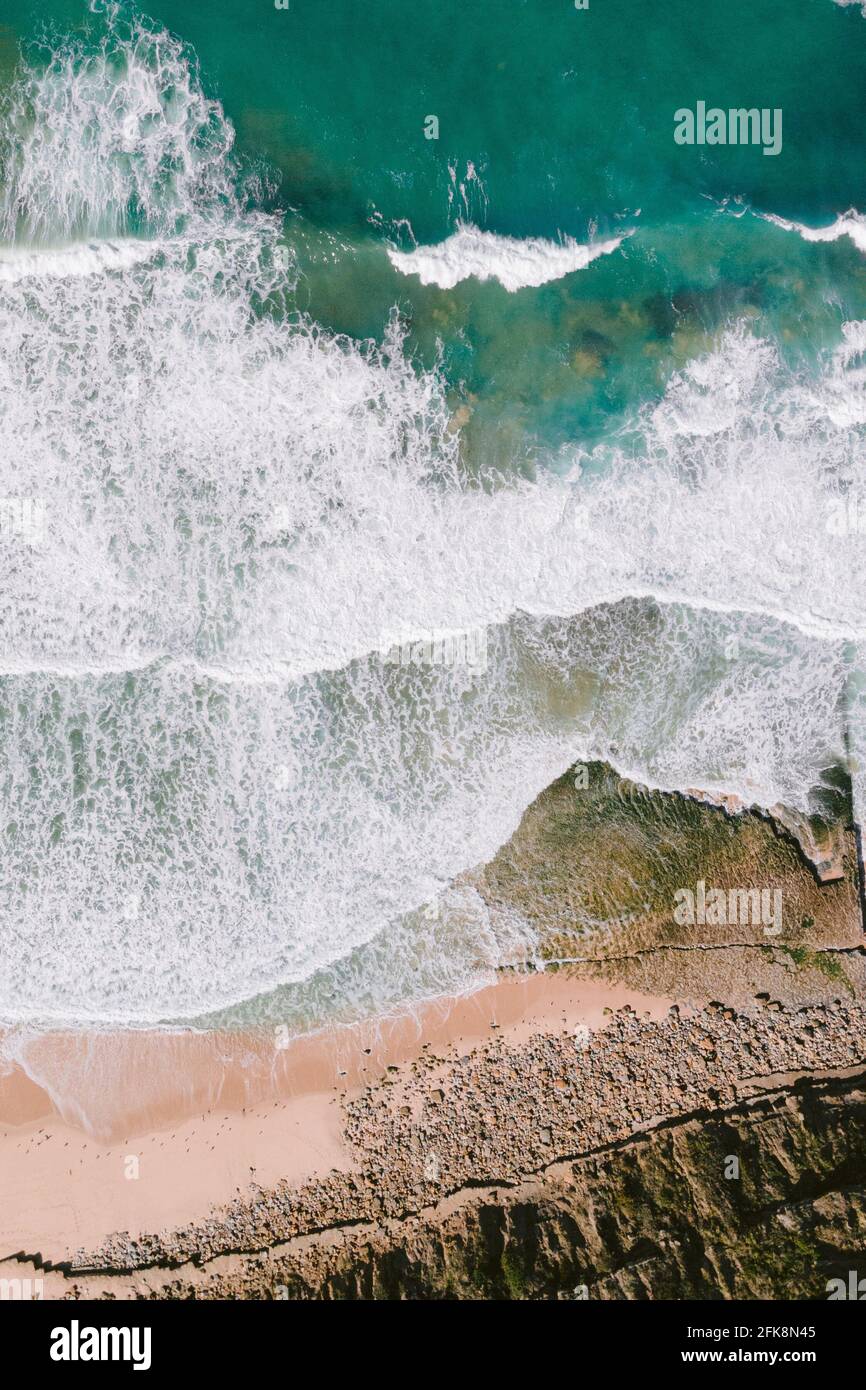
[[88, 258], [851, 224], [516, 263], [243, 512], [108, 136]]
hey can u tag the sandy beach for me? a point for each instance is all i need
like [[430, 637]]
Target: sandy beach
[[143, 1132]]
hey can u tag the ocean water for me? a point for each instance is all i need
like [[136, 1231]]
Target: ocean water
[[354, 484]]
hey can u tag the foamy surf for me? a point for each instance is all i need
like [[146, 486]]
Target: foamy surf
[[89, 258], [220, 780], [516, 263]]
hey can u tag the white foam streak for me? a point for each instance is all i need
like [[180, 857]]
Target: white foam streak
[[851, 224], [516, 263], [89, 258], [105, 138]]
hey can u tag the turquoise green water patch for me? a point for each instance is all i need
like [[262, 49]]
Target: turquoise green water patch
[[567, 114]]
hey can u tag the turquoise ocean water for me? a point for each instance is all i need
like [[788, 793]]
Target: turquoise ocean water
[[285, 384]]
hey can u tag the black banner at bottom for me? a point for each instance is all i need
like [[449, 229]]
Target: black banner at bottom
[[160, 1338]]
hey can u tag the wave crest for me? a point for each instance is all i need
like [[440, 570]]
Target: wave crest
[[517, 264]]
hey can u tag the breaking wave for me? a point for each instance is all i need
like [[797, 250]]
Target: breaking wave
[[851, 224], [517, 264]]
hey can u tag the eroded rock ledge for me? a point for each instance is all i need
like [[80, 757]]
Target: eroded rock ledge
[[594, 870]]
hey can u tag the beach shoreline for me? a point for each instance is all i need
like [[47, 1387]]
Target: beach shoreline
[[547, 1154], [154, 1130], [142, 1142]]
